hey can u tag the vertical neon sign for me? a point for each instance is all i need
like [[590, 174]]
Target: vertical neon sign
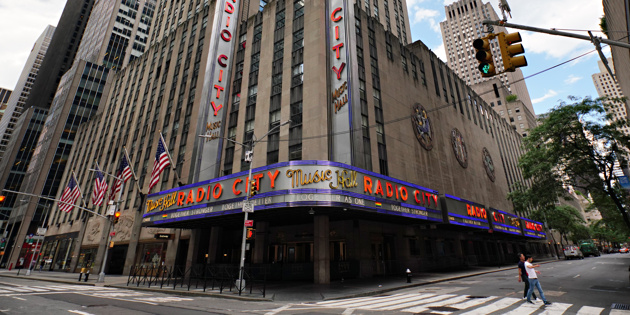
[[216, 89]]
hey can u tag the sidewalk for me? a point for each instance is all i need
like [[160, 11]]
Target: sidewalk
[[278, 291]]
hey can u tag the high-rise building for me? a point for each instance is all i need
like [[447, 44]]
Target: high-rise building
[[115, 35], [609, 88], [617, 18], [4, 99], [15, 105], [462, 26], [369, 154]]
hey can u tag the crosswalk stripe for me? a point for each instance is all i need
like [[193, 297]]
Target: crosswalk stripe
[[590, 310], [5, 291], [556, 308], [473, 302], [13, 289], [429, 300], [339, 303], [364, 304], [421, 298], [525, 309], [423, 308], [500, 304], [619, 312], [34, 289], [396, 302]]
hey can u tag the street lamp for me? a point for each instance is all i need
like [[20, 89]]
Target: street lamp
[[251, 146], [110, 218]]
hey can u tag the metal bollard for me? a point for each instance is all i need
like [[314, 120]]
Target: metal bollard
[[408, 275]]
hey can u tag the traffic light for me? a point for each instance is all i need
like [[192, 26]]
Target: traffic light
[[3, 243], [253, 189], [251, 233], [509, 50], [116, 217], [484, 56], [2, 198]]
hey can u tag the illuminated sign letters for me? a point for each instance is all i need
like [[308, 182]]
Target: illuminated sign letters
[[505, 222], [466, 213]]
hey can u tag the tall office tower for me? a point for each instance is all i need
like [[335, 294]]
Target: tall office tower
[[461, 28], [4, 98], [352, 147], [115, 35], [15, 105], [618, 25], [607, 87]]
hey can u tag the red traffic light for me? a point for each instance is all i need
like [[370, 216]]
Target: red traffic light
[[2, 198], [117, 214]]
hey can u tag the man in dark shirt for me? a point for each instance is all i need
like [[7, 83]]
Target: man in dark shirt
[[522, 275]]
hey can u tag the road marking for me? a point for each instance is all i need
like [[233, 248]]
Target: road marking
[[576, 276], [525, 308], [423, 300], [473, 302], [346, 303], [79, 312], [14, 289], [498, 305], [447, 302], [619, 312], [163, 299], [593, 268], [348, 311], [17, 298], [589, 310], [556, 308], [396, 302], [278, 310]]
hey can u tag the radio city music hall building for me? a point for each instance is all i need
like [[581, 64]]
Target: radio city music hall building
[[389, 161]]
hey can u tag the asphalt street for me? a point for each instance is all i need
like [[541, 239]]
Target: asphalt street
[[585, 287]]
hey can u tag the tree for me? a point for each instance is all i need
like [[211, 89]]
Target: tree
[[511, 98], [571, 147], [564, 219]]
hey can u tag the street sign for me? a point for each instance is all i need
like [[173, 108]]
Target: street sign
[[112, 233], [41, 231], [111, 210], [249, 223], [248, 206]]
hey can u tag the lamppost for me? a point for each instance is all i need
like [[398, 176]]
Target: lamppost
[[250, 155], [110, 220], [39, 233]]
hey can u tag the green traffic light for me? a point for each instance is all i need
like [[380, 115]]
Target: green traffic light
[[485, 68]]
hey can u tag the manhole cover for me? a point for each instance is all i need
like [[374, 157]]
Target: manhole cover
[[619, 306], [476, 297], [443, 308]]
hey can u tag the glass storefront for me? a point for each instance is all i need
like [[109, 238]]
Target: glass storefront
[[153, 255]]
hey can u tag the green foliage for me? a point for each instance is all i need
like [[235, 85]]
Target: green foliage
[[572, 147], [511, 98], [603, 25]]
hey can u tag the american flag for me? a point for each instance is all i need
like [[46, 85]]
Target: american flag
[[124, 172], [161, 162], [100, 187], [70, 195]]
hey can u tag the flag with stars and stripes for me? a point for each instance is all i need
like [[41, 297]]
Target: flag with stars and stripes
[[70, 195], [124, 173], [100, 188], [161, 162]]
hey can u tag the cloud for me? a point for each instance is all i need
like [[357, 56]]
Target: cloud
[[440, 52], [550, 93], [419, 14], [572, 79], [573, 16], [30, 18]]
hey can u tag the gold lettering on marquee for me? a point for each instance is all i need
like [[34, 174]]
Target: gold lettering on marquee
[[162, 203], [299, 179], [339, 97], [345, 179], [212, 130]]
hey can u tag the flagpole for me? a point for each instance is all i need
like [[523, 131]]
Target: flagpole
[[79, 186], [132, 171], [179, 181]]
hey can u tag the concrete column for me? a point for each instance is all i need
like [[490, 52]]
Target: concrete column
[[321, 257], [213, 244], [193, 248], [172, 248], [132, 250], [260, 242], [76, 251]]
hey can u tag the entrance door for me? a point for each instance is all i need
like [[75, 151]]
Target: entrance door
[[117, 261], [377, 258]]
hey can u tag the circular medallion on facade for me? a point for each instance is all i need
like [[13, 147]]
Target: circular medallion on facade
[[422, 127], [459, 147], [488, 164]]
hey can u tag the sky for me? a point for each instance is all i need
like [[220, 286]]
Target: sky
[[541, 50]]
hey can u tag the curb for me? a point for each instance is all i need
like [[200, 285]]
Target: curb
[[189, 293]]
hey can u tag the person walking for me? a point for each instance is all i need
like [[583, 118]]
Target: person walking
[[532, 274], [522, 275]]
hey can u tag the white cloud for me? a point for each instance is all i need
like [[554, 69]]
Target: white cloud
[[440, 52], [572, 79], [419, 14], [21, 23], [550, 93], [564, 15]]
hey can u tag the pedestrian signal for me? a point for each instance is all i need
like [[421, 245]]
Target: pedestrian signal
[[251, 233], [116, 217]]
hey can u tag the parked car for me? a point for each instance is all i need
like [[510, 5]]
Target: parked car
[[589, 249], [624, 250], [572, 251]]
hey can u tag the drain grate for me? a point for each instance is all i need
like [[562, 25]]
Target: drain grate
[[619, 306], [476, 297]]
